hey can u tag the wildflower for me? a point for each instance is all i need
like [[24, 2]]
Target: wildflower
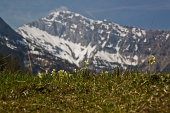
[[65, 73], [70, 75], [106, 73], [74, 70], [151, 59], [53, 73], [85, 63], [40, 75], [62, 73]]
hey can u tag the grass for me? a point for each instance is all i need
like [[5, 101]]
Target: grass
[[132, 92]]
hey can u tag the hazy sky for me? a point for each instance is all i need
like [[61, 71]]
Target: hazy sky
[[138, 13]]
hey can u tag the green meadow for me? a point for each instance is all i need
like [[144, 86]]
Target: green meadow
[[84, 91]]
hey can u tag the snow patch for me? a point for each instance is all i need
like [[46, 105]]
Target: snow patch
[[102, 38], [110, 45], [99, 42], [121, 31], [143, 32], [116, 58], [135, 57], [92, 27], [134, 37], [138, 39], [36, 52], [133, 30], [145, 40], [72, 30], [66, 48], [127, 47], [123, 34], [98, 22], [137, 32], [74, 26], [100, 31], [167, 36], [104, 43], [11, 46], [136, 47], [77, 14], [71, 16]]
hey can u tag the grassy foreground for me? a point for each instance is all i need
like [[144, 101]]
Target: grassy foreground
[[102, 93]]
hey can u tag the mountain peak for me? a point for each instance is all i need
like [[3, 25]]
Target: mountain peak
[[59, 12], [75, 38], [65, 13]]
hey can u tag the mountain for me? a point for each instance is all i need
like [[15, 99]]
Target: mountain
[[105, 45], [13, 43]]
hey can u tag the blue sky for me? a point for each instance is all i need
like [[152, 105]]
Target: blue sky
[[138, 13]]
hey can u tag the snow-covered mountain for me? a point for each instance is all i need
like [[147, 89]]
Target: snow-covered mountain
[[105, 45], [13, 43]]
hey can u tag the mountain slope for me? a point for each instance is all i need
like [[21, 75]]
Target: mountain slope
[[104, 44], [13, 43]]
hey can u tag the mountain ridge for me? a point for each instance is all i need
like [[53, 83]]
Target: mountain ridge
[[110, 45], [73, 38]]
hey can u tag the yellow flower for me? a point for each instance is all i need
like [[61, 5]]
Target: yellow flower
[[106, 73], [74, 70], [62, 73], [40, 75], [53, 73], [85, 63], [70, 75], [152, 59]]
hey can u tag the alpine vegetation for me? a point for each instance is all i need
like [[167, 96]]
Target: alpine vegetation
[[85, 91]]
